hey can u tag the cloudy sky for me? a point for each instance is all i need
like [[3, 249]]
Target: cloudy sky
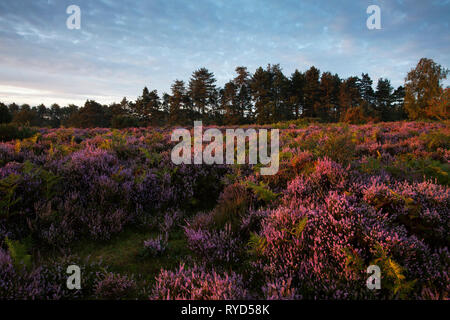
[[124, 45]]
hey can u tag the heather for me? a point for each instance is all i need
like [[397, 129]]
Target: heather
[[111, 201]]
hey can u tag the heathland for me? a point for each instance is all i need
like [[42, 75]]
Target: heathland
[[112, 202]]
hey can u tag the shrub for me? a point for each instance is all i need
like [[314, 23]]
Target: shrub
[[231, 206], [155, 247], [44, 282], [338, 147], [355, 115], [308, 232], [112, 286], [214, 245], [197, 283], [10, 132]]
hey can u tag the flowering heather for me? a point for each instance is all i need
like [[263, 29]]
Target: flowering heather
[[214, 245], [47, 281], [198, 284], [112, 286], [155, 247], [345, 197]]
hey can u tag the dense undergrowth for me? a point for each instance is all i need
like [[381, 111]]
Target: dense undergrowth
[[112, 202]]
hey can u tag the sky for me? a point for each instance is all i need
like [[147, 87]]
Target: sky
[[124, 45]]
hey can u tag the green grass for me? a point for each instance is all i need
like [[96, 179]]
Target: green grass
[[121, 253]]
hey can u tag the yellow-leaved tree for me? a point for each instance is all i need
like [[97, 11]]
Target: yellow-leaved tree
[[422, 86]]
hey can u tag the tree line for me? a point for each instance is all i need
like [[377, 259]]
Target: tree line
[[266, 96]]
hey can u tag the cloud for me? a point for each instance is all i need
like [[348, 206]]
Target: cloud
[[125, 45]]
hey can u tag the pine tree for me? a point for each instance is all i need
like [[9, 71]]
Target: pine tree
[[5, 115], [90, 116], [260, 89], [13, 109], [349, 95], [397, 98], [178, 103], [327, 106], [243, 94], [229, 104], [311, 91], [202, 91], [55, 116], [147, 107], [296, 93], [383, 99], [280, 109], [365, 85]]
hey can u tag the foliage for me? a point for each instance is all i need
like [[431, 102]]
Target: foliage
[[19, 253], [231, 206], [422, 87], [198, 284], [346, 196], [393, 275], [8, 188], [262, 192], [111, 286], [10, 132], [155, 247], [257, 244]]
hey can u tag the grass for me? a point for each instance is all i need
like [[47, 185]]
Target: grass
[[121, 253]]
